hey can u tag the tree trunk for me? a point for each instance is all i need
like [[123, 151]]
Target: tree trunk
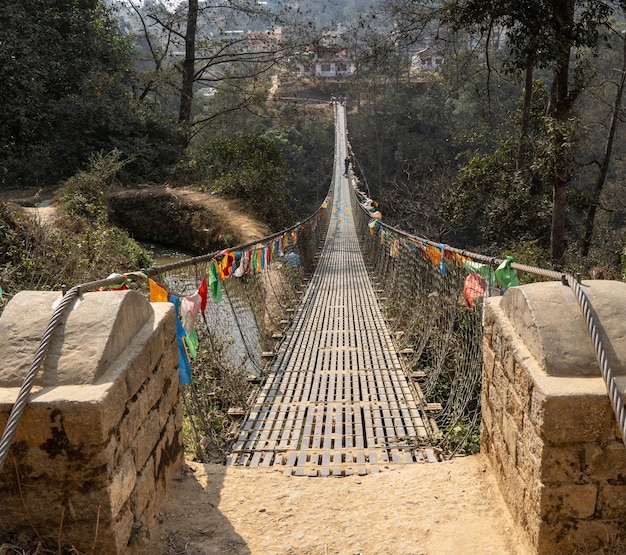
[[559, 108], [189, 64], [522, 151], [604, 165]]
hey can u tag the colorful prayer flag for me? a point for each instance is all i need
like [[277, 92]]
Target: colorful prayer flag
[[506, 276], [158, 293], [226, 265], [192, 343], [189, 309], [474, 287], [483, 270], [203, 292], [184, 366], [215, 286]]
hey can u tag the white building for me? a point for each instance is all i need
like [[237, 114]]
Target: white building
[[427, 59], [327, 63]]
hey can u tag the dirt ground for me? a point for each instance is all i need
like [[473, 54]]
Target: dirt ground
[[247, 229], [446, 508]]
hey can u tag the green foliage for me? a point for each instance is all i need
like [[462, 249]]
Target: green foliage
[[410, 137], [75, 250], [85, 194], [218, 385], [554, 148], [530, 253], [64, 72], [310, 144], [460, 438], [81, 245], [251, 167], [537, 32], [495, 203]]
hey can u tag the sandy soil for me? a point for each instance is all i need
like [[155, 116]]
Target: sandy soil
[[423, 509]]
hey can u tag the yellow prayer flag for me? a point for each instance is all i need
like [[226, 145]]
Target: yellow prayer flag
[[158, 293]]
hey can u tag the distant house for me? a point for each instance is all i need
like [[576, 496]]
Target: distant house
[[326, 62], [427, 59]]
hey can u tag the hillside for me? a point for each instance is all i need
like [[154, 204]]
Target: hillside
[[178, 217], [184, 218]]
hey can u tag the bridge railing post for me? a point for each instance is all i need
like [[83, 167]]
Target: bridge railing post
[[100, 441]]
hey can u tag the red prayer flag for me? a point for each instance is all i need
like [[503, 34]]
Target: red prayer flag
[[203, 291], [475, 286]]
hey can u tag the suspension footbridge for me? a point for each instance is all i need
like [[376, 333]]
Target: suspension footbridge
[[384, 324], [363, 323], [337, 399]]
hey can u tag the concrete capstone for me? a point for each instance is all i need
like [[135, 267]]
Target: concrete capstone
[[85, 452]]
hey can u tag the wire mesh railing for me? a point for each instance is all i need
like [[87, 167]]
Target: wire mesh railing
[[253, 290], [240, 330], [434, 295]]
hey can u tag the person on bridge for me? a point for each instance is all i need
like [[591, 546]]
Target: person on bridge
[[346, 163]]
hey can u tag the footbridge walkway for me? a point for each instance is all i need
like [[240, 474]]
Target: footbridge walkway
[[337, 400]]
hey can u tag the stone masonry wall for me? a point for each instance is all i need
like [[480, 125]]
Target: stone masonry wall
[[548, 426], [100, 439]]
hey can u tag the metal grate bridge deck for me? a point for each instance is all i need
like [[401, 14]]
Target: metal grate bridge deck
[[336, 400]]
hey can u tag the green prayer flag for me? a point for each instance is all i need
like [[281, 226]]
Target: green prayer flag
[[506, 276], [192, 342], [215, 286], [483, 270]]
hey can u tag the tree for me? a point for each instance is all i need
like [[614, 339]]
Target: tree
[[603, 163], [225, 45], [64, 72], [189, 64], [253, 168], [411, 133], [545, 35]]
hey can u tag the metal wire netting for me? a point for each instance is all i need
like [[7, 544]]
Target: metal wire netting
[[421, 286], [240, 334]]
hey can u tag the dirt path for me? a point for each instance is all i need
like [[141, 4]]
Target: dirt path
[[423, 509], [44, 214], [245, 229]]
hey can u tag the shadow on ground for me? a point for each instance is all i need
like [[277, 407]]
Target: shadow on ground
[[192, 521]]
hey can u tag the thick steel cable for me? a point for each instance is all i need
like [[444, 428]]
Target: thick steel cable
[[605, 367]]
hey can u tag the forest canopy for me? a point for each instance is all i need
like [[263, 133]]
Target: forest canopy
[[468, 127]]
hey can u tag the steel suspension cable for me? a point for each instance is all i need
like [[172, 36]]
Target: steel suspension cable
[[605, 367]]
